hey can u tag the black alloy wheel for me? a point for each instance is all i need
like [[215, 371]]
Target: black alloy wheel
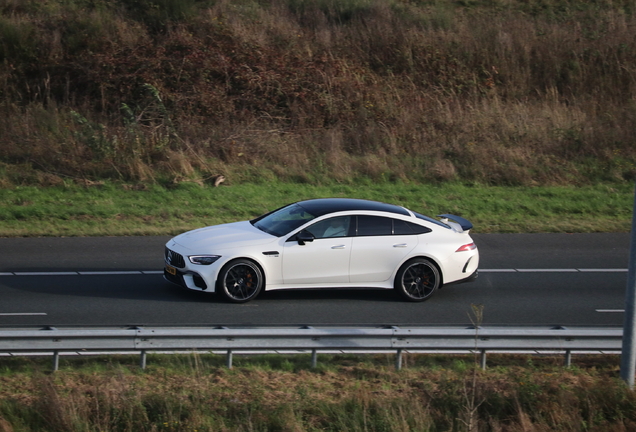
[[240, 281], [417, 280]]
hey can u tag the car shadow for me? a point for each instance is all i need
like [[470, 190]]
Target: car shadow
[[382, 295], [153, 287]]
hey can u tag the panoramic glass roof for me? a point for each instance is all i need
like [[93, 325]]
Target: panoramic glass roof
[[323, 206]]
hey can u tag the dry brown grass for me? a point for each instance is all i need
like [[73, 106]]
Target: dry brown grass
[[516, 394], [505, 93]]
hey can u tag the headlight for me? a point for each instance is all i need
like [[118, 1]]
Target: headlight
[[203, 259]]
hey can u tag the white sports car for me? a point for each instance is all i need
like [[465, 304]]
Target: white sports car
[[325, 243]]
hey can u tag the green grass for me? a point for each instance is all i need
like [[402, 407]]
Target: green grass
[[118, 209]]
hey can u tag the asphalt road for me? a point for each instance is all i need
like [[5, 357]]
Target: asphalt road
[[525, 279]]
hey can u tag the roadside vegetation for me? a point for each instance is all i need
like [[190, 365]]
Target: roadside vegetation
[[123, 209], [507, 93], [344, 393]]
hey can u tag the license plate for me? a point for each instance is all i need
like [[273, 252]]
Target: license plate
[[171, 270]]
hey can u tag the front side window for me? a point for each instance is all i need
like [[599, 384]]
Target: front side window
[[284, 220], [332, 227]]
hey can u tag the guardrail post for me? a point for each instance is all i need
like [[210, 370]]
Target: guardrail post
[[228, 359], [482, 360], [314, 359], [56, 360], [398, 359], [568, 358], [142, 359]]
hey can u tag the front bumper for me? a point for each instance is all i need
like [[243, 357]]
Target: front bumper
[[187, 280]]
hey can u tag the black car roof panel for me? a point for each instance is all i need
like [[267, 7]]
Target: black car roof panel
[[323, 206]]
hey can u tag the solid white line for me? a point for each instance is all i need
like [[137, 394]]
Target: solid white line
[[83, 273], [22, 314], [610, 310], [101, 273], [497, 271], [159, 272], [547, 270]]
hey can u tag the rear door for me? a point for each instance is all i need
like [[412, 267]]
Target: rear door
[[380, 245]]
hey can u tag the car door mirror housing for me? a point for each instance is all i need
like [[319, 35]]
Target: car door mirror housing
[[304, 237]]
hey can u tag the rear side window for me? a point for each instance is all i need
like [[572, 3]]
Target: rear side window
[[401, 227], [374, 226], [382, 226]]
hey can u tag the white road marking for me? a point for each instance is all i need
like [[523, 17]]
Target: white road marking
[[572, 270], [547, 270], [617, 270], [160, 272], [84, 273], [610, 310], [497, 271], [45, 273], [101, 273], [22, 314]]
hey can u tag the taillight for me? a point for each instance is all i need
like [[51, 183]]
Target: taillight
[[467, 247]]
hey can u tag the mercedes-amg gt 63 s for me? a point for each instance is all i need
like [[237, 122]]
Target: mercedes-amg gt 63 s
[[326, 243]]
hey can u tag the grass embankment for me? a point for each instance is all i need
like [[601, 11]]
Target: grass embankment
[[518, 92], [116, 209], [345, 393]]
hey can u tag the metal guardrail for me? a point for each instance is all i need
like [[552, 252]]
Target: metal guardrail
[[386, 339]]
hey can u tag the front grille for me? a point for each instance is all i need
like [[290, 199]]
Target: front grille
[[174, 259]]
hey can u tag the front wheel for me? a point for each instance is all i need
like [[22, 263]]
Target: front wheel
[[417, 280], [240, 281]]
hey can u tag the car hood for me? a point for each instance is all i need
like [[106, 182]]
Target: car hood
[[231, 235]]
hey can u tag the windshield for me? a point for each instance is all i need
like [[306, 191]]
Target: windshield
[[283, 221]]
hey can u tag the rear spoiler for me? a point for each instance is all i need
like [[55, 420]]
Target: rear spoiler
[[465, 224]]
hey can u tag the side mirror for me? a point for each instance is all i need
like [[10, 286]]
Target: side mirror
[[304, 237]]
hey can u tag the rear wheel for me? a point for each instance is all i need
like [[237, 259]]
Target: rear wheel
[[417, 280], [240, 281]]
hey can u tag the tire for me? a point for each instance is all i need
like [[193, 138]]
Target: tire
[[240, 281], [417, 280]]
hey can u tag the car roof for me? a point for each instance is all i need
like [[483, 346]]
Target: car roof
[[323, 206]]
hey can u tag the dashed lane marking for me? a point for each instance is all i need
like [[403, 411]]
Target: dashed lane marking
[[562, 270], [84, 273], [22, 313]]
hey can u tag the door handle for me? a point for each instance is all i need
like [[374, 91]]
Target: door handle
[[400, 245], [338, 247]]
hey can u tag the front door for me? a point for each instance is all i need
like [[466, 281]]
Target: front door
[[323, 261]]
